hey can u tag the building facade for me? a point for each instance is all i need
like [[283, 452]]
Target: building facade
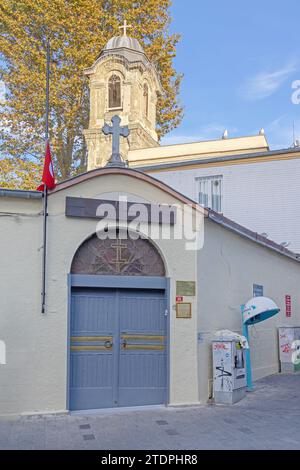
[[139, 275], [128, 321]]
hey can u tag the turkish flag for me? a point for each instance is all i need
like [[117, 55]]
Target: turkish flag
[[48, 173]]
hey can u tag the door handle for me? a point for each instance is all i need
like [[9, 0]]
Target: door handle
[[108, 344], [124, 343]]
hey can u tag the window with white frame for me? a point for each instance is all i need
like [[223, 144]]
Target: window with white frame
[[210, 192]]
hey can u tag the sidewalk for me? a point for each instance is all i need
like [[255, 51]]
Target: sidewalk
[[268, 418]]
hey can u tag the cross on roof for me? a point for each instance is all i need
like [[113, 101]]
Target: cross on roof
[[125, 27], [116, 131]]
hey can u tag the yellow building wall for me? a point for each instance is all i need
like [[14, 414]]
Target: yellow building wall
[[197, 150], [35, 376]]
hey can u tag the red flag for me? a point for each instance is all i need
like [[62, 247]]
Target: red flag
[[48, 173]]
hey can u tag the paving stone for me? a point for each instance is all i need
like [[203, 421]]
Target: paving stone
[[172, 432], [84, 426], [268, 418], [88, 437]]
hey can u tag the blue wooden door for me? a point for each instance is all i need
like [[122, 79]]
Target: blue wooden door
[[142, 364], [93, 354], [117, 348]]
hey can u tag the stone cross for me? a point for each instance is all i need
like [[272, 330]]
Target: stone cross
[[116, 130], [125, 27]]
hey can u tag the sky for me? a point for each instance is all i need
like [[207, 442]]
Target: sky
[[241, 66]]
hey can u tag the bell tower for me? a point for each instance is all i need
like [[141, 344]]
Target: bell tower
[[122, 81]]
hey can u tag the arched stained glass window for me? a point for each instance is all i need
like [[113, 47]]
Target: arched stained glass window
[[114, 92], [119, 257]]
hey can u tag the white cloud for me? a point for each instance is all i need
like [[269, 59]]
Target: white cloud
[[209, 132], [265, 83]]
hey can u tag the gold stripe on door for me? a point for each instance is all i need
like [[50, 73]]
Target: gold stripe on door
[[144, 337], [90, 348], [78, 339], [154, 347]]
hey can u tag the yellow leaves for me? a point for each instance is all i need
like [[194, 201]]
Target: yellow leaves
[[18, 174]]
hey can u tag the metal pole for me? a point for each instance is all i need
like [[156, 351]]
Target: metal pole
[[247, 354], [45, 214]]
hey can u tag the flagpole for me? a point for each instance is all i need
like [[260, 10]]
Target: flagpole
[[45, 214]]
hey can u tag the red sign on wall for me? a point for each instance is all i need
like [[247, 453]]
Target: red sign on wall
[[179, 298], [288, 306]]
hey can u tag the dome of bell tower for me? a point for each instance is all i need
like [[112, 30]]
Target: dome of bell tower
[[126, 42]]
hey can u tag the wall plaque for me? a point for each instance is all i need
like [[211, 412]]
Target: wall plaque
[[186, 288], [184, 310], [258, 290]]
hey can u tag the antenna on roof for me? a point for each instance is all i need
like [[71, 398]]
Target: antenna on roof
[[225, 134], [296, 142], [294, 132]]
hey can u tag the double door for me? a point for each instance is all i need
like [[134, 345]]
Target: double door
[[117, 348]]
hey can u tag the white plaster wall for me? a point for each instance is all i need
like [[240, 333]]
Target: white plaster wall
[[228, 266], [263, 197], [35, 377], [21, 325]]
